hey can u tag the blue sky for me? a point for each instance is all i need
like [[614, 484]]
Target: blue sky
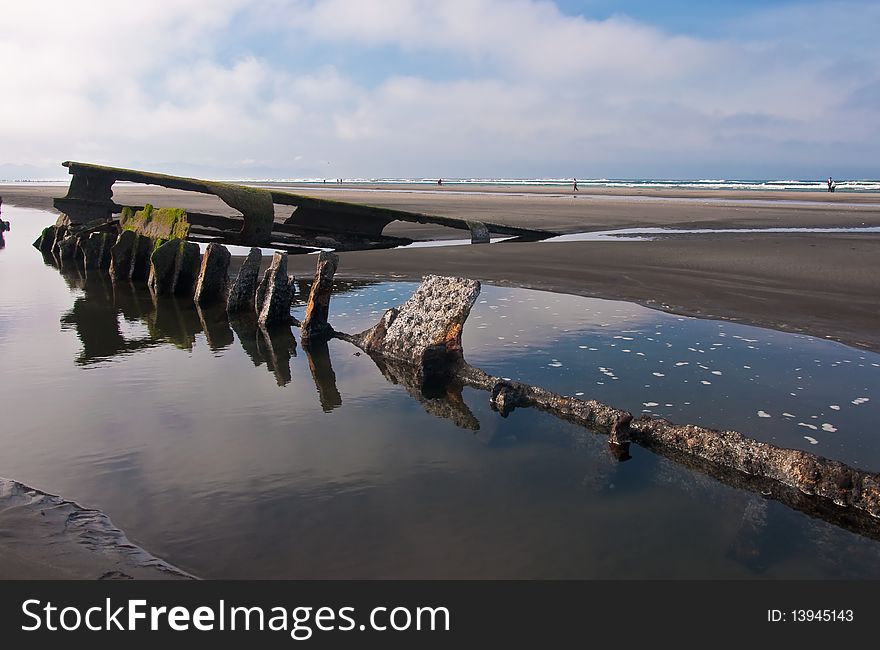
[[412, 88], [700, 18]]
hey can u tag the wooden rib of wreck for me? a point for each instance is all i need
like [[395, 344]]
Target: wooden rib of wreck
[[315, 326], [213, 281], [275, 293], [313, 223]]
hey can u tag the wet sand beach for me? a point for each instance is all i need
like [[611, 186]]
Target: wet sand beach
[[824, 286], [537, 207], [820, 284]]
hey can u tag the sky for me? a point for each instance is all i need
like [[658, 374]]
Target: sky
[[248, 89]]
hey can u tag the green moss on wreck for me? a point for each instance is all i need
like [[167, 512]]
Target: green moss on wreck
[[135, 221], [160, 224], [172, 219], [125, 219], [168, 249]]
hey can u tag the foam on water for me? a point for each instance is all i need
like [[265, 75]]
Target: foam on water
[[648, 234], [642, 234]]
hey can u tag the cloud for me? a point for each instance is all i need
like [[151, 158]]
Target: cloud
[[408, 88]]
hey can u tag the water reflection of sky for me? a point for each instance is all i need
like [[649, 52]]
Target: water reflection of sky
[[791, 390], [234, 454]]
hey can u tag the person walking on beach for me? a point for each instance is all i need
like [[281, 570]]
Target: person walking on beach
[[575, 183], [439, 181], [830, 184]]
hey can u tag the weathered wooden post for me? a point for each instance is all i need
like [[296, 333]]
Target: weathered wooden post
[[213, 275], [244, 287], [315, 325], [273, 302]]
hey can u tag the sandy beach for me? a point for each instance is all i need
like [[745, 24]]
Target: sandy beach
[[556, 209], [820, 284]]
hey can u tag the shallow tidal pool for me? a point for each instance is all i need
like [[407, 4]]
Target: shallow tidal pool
[[233, 454]]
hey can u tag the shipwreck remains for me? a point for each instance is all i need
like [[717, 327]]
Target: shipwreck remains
[[315, 325], [311, 223], [425, 336], [417, 345], [274, 293], [242, 293], [213, 275], [97, 249], [425, 332]]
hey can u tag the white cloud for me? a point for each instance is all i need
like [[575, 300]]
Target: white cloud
[[508, 88]]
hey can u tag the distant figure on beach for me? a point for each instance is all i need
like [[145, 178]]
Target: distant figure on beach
[[830, 184], [575, 183], [439, 181]]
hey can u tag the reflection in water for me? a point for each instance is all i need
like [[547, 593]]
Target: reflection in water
[[95, 316], [246, 331], [274, 346], [277, 345], [318, 356], [440, 401], [214, 322], [746, 546], [175, 321], [341, 287]]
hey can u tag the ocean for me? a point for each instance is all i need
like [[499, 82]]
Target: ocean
[[763, 185], [638, 183]]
